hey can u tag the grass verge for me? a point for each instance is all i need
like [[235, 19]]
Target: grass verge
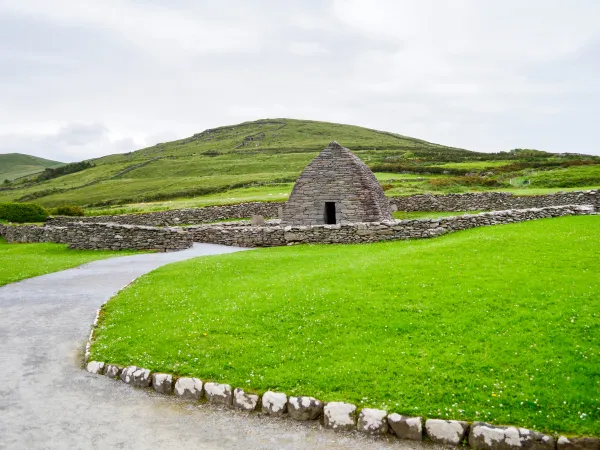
[[499, 324], [20, 261]]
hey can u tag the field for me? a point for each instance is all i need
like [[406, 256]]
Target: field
[[499, 324], [20, 261], [261, 160], [16, 165]]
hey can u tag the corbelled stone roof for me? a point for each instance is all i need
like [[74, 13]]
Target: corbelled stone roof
[[336, 175]]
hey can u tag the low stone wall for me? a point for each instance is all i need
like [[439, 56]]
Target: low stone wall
[[492, 201], [270, 236], [486, 201], [96, 236], [182, 216], [242, 234]]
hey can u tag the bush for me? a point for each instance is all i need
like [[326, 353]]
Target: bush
[[23, 212], [68, 210], [469, 180], [66, 169]]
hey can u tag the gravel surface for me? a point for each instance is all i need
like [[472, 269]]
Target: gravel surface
[[48, 402]]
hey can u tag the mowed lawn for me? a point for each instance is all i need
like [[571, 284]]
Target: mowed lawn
[[500, 324], [20, 261]]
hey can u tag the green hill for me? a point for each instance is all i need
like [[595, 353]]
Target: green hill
[[266, 156], [16, 165]]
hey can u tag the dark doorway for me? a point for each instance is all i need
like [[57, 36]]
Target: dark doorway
[[330, 213]]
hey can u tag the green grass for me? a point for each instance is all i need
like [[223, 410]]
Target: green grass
[[258, 155], [385, 176], [566, 177], [409, 215], [500, 324], [478, 165], [15, 165], [20, 261]]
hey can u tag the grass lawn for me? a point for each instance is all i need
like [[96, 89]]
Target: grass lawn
[[20, 261], [500, 324], [409, 215]]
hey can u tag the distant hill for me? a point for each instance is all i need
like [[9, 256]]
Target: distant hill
[[16, 165], [272, 153]]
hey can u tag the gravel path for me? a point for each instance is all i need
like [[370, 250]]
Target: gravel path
[[48, 401]]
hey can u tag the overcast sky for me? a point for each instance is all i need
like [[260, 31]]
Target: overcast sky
[[84, 78]]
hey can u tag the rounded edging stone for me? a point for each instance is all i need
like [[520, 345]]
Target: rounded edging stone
[[372, 421], [189, 388], [218, 393], [244, 401], [406, 427], [304, 408], [451, 432], [274, 403], [339, 416]]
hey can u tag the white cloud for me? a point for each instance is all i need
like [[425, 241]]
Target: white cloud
[[152, 27], [481, 75], [306, 48], [71, 142]]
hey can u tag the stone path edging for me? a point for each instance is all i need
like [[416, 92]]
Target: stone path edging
[[340, 416]]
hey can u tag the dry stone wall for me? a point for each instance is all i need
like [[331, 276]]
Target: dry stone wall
[[492, 201], [182, 216], [486, 201], [269, 236], [95, 236], [272, 234]]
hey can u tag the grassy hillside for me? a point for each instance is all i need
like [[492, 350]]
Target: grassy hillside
[[266, 156], [16, 165]]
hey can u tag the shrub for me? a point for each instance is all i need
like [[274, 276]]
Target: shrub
[[469, 180], [66, 169], [23, 212], [69, 210]]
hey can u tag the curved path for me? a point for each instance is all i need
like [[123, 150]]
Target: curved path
[[48, 401]]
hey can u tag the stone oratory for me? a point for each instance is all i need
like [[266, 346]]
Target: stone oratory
[[336, 188]]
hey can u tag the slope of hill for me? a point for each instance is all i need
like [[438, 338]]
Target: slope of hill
[[271, 153], [16, 165]]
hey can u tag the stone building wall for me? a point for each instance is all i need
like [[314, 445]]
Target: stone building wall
[[96, 236], [492, 201], [339, 177]]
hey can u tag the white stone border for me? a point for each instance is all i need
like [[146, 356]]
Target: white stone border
[[339, 416]]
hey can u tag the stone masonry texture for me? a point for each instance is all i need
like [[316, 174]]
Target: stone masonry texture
[[191, 216], [336, 175], [354, 233], [116, 237], [493, 201], [101, 236], [490, 201]]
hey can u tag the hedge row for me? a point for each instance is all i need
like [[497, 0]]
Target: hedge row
[[23, 212], [32, 212]]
